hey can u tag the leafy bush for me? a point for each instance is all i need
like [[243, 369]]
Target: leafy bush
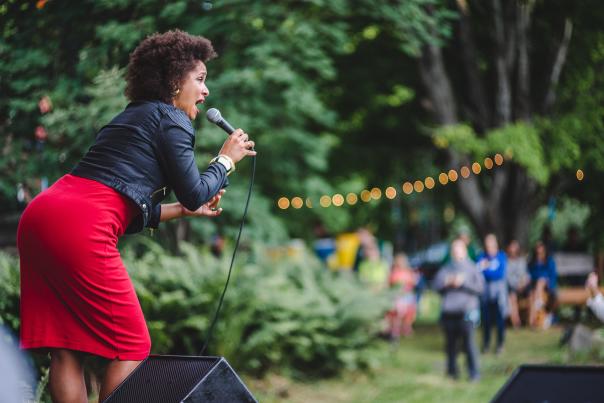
[[285, 312], [9, 292], [281, 312]]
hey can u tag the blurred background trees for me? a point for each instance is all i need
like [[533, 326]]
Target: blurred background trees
[[340, 96]]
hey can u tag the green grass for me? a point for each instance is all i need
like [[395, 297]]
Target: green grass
[[413, 371]]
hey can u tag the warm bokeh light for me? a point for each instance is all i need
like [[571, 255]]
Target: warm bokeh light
[[325, 201], [417, 186], [376, 193], [337, 200], [297, 202], [488, 163], [365, 195], [580, 175], [283, 203], [390, 192]]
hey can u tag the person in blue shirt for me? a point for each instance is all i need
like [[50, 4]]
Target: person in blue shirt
[[494, 302], [544, 284]]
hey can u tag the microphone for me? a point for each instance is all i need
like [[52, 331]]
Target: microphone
[[215, 117]]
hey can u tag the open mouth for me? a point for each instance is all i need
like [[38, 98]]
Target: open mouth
[[199, 101]]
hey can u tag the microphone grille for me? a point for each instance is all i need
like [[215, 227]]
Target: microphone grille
[[213, 115]]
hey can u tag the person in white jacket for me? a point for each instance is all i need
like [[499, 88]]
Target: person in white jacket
[[596, 300]]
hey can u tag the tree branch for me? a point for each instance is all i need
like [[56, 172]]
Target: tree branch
[[436, 80], [503, 98], [478, 99], [510, 40], [471, 196], [523, 109], [550, 96]]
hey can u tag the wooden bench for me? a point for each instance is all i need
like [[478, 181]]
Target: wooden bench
[[573, 295], [577, 265], [573, 263]]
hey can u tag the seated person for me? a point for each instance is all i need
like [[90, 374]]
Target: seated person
[[373, 270], [544, 286], [403, 280], [518, 280], [595, 301]]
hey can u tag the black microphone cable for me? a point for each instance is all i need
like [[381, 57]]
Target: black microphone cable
[[226, 284]]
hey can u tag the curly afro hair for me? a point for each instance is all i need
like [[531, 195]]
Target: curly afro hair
[[160, 63]]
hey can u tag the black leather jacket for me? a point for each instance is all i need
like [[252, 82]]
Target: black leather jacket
[[146, 151]]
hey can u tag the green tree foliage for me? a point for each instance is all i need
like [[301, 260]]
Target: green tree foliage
[[278, 69], [329, 90], [579, 120], [493, 77]]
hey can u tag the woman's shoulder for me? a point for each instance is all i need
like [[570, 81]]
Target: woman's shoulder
[[176, 116], [160, 111]]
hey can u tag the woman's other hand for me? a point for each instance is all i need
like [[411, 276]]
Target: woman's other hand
[[210, 209], [237, 146]]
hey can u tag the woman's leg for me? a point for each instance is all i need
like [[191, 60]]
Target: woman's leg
[[539, 301], [451, 336], [115, 374], [532, 309], [486, 326], [66, 382], [514, 311], [500, 322], [470, 349]]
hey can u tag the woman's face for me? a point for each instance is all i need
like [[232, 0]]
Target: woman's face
[[192, 91], [540, 252]]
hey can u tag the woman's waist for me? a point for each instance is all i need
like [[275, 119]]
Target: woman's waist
[[90, 199]]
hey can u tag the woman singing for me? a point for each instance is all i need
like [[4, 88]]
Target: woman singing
[[76, 296]]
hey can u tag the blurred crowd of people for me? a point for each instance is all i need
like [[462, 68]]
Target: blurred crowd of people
[[489, 288], [484, 286]]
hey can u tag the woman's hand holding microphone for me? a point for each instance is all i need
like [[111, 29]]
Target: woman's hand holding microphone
[[236, 147]]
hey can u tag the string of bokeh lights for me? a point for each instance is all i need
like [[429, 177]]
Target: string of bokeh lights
[[418, 186]]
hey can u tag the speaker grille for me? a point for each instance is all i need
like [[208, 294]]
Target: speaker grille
[[553, 384], [163, 379]]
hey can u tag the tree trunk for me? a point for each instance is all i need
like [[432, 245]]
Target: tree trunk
[[432, 70], [479, 114], [503, 98], [505, 202], [523, 103]]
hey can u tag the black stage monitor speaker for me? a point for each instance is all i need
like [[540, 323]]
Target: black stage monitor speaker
[[553, 384], [167, 379]]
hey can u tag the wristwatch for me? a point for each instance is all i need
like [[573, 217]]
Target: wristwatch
[[225, 161]]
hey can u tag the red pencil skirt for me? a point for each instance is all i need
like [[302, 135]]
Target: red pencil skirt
[[75, 291]]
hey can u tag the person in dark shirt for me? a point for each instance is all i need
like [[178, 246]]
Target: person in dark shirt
[[460, 284]]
